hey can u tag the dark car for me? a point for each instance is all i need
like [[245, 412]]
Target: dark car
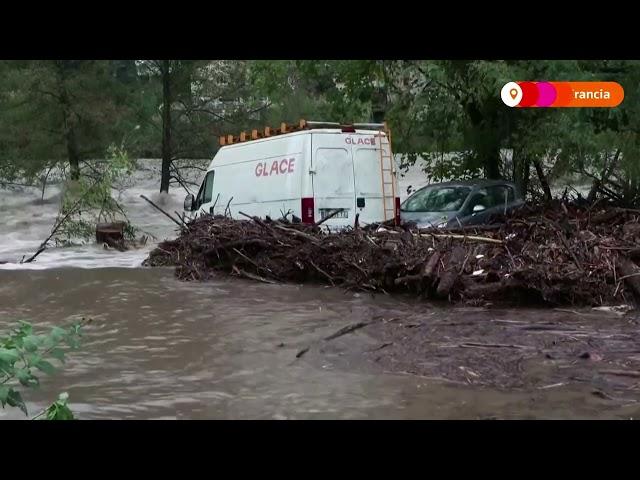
[[469, 202]]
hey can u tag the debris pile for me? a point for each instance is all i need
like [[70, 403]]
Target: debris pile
[[559, 254]]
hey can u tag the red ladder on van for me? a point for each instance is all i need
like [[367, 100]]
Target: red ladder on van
[[388, 174]]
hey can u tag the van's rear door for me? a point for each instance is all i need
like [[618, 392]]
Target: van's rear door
[[368, 180], [333, 184]]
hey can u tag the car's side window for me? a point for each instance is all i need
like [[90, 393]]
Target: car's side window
[[510, 193], [480, 197], [500, 195]]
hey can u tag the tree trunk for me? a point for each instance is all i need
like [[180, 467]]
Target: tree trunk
[[634, 189], [166, 126], [521, 171], [378, 116], [543, 180], [518, 171], [379, 105], [69, 133], [487, 148], [72, 152], [492, 163], [525, 176]]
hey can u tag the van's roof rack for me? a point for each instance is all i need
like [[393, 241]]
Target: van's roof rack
[[302, 125]]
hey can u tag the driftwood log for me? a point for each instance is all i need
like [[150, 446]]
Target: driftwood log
[[629, 273], [453, 270]]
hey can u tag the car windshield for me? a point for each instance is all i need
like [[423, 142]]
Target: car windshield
[[437, 199]]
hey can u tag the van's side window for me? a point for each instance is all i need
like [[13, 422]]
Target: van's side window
[[208, 187], [205, 193]]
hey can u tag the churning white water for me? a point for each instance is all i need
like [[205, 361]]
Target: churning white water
[[26, 220]]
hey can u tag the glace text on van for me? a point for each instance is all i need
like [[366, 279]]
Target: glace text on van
[[277, 168]]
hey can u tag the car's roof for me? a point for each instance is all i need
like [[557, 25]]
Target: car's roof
[[476, 182]]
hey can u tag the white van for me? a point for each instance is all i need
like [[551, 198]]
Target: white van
[[311, 171]]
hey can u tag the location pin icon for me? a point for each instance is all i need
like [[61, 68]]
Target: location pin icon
[[511, 94]]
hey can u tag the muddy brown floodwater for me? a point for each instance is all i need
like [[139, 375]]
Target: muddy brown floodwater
[[231, 349], [163, 349]]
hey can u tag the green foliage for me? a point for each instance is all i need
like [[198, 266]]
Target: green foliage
[[447, 112], [59, 410], [90, 199], [438, 108], [208, 98], [23, 354], [314, 90], [58, 112]]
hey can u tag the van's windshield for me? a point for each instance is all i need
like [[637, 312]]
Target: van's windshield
[[437, 199]]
